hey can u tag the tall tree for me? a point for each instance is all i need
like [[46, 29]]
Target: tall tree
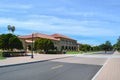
[[10, 42], [43, 44], [14, 42], [96, 48], [9, 27], [13, 29], [106, 46], [117, 45], [85, 47]]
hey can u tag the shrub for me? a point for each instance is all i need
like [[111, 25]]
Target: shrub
[[11, 54], [6, 54]]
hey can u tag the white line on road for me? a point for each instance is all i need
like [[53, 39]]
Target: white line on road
[[56, 67]]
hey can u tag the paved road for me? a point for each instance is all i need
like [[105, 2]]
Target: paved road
[[72, 68]]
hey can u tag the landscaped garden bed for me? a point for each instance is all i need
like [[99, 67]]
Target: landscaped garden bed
[[13, 54]]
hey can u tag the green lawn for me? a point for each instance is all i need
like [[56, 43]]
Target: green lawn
[[74, 52], [93, 52], [81, 52], [1, 58]]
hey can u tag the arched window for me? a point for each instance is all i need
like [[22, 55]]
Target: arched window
[[62, 48], [66, 48]]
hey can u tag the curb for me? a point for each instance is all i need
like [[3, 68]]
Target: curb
[[32, 62]]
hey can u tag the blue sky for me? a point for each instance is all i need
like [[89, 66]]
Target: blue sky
[[88, 21]]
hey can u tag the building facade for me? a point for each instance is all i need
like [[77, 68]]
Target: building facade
[[61, 42]]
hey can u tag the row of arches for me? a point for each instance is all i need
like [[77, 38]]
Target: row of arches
[[62, 48], [68, 48]]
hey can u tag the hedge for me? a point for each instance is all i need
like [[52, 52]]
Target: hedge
[[55, 52], [12, 54]]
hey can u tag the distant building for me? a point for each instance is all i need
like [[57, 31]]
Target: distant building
[[61, 42]]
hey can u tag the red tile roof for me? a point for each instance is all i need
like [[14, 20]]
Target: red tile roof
[[61, 36], [38, 35]]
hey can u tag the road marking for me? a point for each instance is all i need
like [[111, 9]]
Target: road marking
[[56, 67]]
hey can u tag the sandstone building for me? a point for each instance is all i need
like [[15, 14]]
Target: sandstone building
[[61, 42]]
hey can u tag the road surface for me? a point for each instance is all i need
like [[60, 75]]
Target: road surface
[[72, 68]]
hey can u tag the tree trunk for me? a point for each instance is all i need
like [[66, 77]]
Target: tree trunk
[[105, 51]]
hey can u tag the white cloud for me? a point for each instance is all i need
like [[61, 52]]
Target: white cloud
[[4, 10], [51, 24], [14, 6], [91, 42]]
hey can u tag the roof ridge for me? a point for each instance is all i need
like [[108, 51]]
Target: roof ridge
[[61, 35], [39, 35]]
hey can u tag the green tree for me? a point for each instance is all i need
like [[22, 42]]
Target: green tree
[[106, 47], [85, 47], [96, 48], [14, 42], [117, 45], [10, 42], [4, 40], [43, 44], [11, 28]]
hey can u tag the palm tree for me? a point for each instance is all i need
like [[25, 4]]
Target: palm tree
[[13, 29], [9, 27]]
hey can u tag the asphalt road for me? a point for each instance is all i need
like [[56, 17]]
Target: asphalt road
[[51, 70]]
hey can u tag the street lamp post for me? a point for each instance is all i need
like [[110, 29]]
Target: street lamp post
[[32, 56]]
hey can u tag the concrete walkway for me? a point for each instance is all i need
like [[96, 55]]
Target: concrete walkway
[[110, 70], [28, 59]]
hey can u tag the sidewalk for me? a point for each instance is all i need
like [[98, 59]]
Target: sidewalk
[[28, 59], [111, 69]]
